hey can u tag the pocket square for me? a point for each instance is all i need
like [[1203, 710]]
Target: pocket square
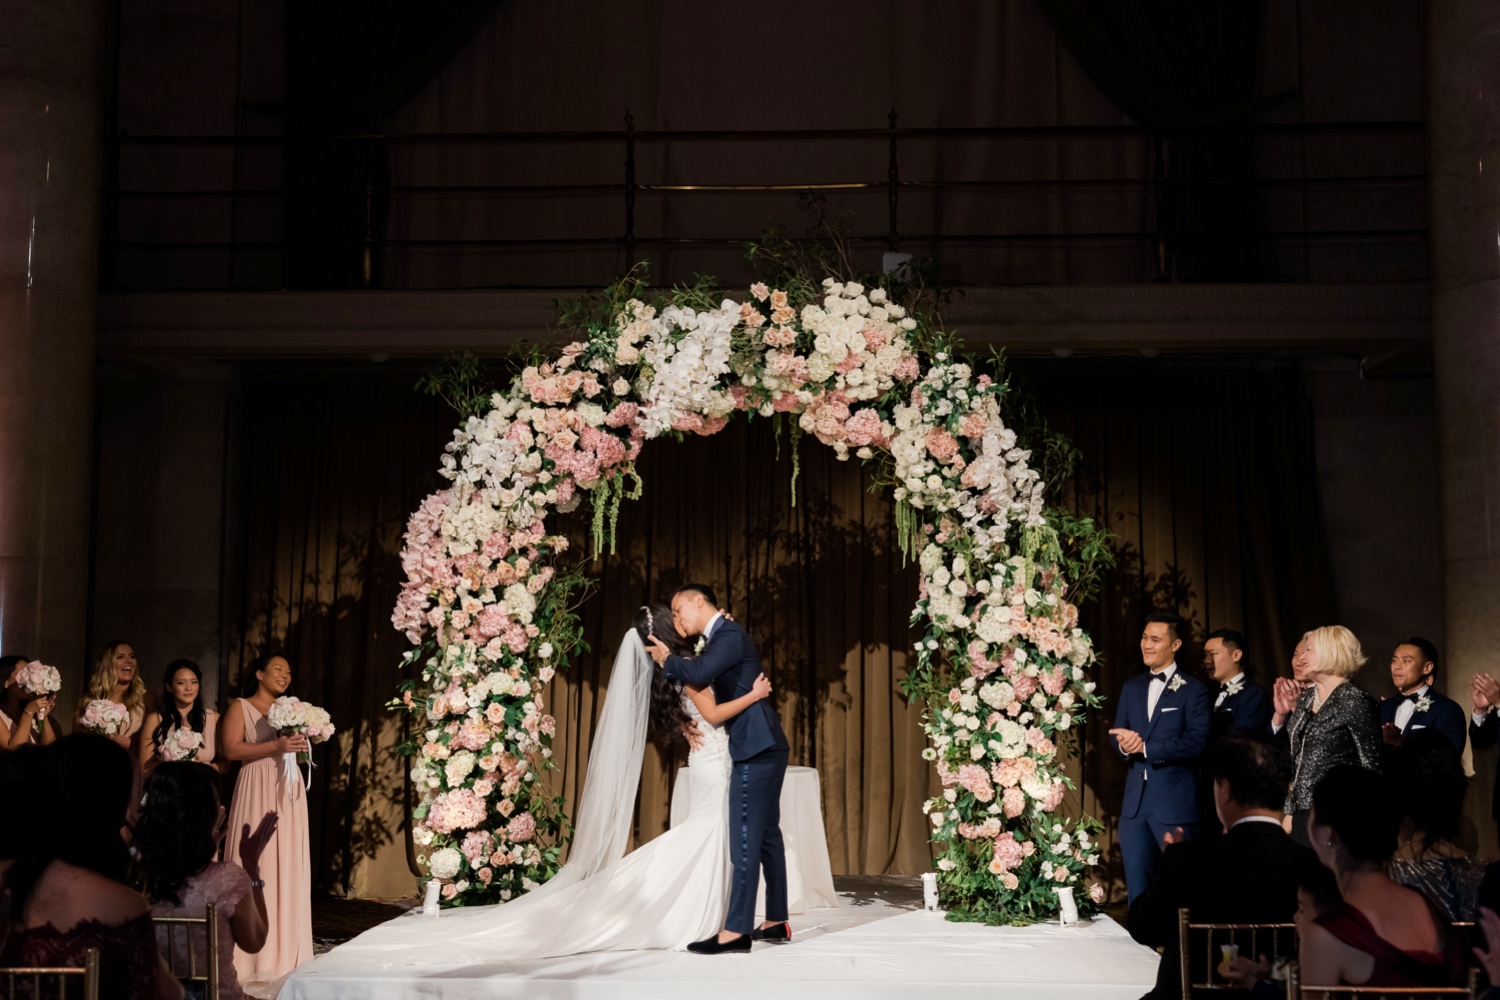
[[1169, 710], [1416, 726]]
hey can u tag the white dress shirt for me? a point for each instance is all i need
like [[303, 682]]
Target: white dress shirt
[[1407, 709], [1155, 688], [1255, 819], [708, 630]]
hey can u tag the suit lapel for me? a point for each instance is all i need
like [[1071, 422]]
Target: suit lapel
[[1161, 703]]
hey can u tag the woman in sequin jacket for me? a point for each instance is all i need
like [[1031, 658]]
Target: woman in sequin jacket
[[1329, 724]]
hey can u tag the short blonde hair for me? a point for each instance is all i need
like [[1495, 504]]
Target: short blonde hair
[[1337, 650]]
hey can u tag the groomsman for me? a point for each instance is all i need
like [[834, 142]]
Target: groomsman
[[1161, 728], [1239, 703], [1418, 705]]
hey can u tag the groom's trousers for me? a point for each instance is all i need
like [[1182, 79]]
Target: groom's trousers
[[755, 844]]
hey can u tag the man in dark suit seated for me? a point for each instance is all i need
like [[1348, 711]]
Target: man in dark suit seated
[[1417, 704], [1250, 875]]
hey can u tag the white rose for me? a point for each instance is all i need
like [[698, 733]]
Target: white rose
[[445, 862], [944, 864], [621, 387]]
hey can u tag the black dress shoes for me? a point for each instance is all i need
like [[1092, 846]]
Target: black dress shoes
[[711, 945], [776, 932]]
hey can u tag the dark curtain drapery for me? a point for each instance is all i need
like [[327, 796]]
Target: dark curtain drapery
[[348, 65], [1171, 65], [1205, 476]]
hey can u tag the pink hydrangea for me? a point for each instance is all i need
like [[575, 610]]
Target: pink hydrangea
[[974, 425], [907, 368], [864, 429], [459, 809], [475, 846], [521, 828], [1014, 802], [875, 339], [946, 774], [973, 778], [1008, 851], [941, 445], [1054, 796], [474, 734], [491, 621]]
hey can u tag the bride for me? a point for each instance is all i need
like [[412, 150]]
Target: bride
[[667, 893]]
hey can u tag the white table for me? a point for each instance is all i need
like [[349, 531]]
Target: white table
[[809, 877]]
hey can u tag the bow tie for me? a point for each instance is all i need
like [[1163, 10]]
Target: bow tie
[[1159, 677], [1413, 698]]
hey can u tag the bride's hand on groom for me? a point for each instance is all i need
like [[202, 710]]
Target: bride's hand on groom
[[656, 649], [761, 688]]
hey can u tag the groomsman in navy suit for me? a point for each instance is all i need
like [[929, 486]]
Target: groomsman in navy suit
[[1239, 703], [1418, 705], [1161, 728]]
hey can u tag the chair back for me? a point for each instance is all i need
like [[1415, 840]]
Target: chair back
[[30, 982], [188, 964], [1296, 990], [1206, 941]]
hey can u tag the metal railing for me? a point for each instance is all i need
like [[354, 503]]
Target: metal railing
[[357, 236]]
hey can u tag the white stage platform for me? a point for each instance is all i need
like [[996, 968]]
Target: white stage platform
[[859, 951]]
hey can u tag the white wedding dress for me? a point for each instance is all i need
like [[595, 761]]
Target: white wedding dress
[[667, 893]]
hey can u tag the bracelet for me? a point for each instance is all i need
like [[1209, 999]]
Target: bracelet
[[257, 883]]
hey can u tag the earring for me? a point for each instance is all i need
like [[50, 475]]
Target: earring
[[1329, 841]]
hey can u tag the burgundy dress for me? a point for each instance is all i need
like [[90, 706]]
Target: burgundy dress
[[128, 965], [1394, 967]]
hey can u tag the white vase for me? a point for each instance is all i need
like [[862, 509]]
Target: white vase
[[929, 890], [1067, 913]]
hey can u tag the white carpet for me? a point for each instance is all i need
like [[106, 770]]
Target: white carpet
[[868, 950]]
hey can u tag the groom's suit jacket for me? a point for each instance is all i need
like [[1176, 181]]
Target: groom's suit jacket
[[1166, 781], [730, 662]]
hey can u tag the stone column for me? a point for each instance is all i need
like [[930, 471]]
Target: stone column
[[49, 249]]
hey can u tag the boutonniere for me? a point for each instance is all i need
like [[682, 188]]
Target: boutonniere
[[698, 647], [1234, 687], [1177, 682], [1423, 703]]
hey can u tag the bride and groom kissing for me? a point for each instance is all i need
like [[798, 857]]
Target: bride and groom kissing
[[725, 677], [695, 885]]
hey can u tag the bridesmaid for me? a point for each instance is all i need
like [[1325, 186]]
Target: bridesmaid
[[117, 679], [18, 713], [270, 782], [182, 708]]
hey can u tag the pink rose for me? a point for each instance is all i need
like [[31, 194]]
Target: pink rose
[[521, 828]]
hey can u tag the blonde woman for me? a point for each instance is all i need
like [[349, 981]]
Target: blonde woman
[[117, 678], [1331, 723]]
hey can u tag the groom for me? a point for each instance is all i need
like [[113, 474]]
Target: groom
[[727, 659]]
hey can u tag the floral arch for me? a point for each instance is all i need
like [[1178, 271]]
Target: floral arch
[[1001, 664]]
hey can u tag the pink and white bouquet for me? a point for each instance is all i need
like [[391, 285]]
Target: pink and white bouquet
[[291, 716], [105, 717], [37, 680], [180, 744]]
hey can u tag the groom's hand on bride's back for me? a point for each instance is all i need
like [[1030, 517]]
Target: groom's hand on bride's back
[[694, 738], [656, 649]]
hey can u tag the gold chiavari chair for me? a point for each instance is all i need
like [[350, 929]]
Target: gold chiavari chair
[[205, 972], [25, 983], [1275, 941], [1296, 990]]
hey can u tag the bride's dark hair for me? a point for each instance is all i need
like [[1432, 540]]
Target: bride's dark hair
[[667, 714]]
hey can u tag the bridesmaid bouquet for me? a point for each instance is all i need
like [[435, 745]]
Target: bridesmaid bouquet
[[290, 716], [37, 680], [181, 744], [105, 717]]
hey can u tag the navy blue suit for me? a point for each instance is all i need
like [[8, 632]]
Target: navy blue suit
[[1445, 715], [1161, 787], [1247, 708], [730, 662]]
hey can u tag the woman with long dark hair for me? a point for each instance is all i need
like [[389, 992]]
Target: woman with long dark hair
[[68, 881], [178, 835], [269, 782], [182, 711]]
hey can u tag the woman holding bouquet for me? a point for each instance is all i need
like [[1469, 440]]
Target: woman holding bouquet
[[117, 679], [184, 729], [24, 715], [269, 782]]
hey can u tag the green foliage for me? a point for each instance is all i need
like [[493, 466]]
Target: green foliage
[[460, 381]]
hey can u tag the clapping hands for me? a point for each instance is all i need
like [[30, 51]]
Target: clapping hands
[[1284, 699], [1485, 691], [252, 845], [1129, 740]]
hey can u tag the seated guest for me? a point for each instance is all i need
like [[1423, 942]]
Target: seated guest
[[1418, 705], [1249, 875], [1317, 893], [23, 719], [1331, 723], [1382, 934], [67, 886], [178, 836], [1427, 778], [1239, 703]]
